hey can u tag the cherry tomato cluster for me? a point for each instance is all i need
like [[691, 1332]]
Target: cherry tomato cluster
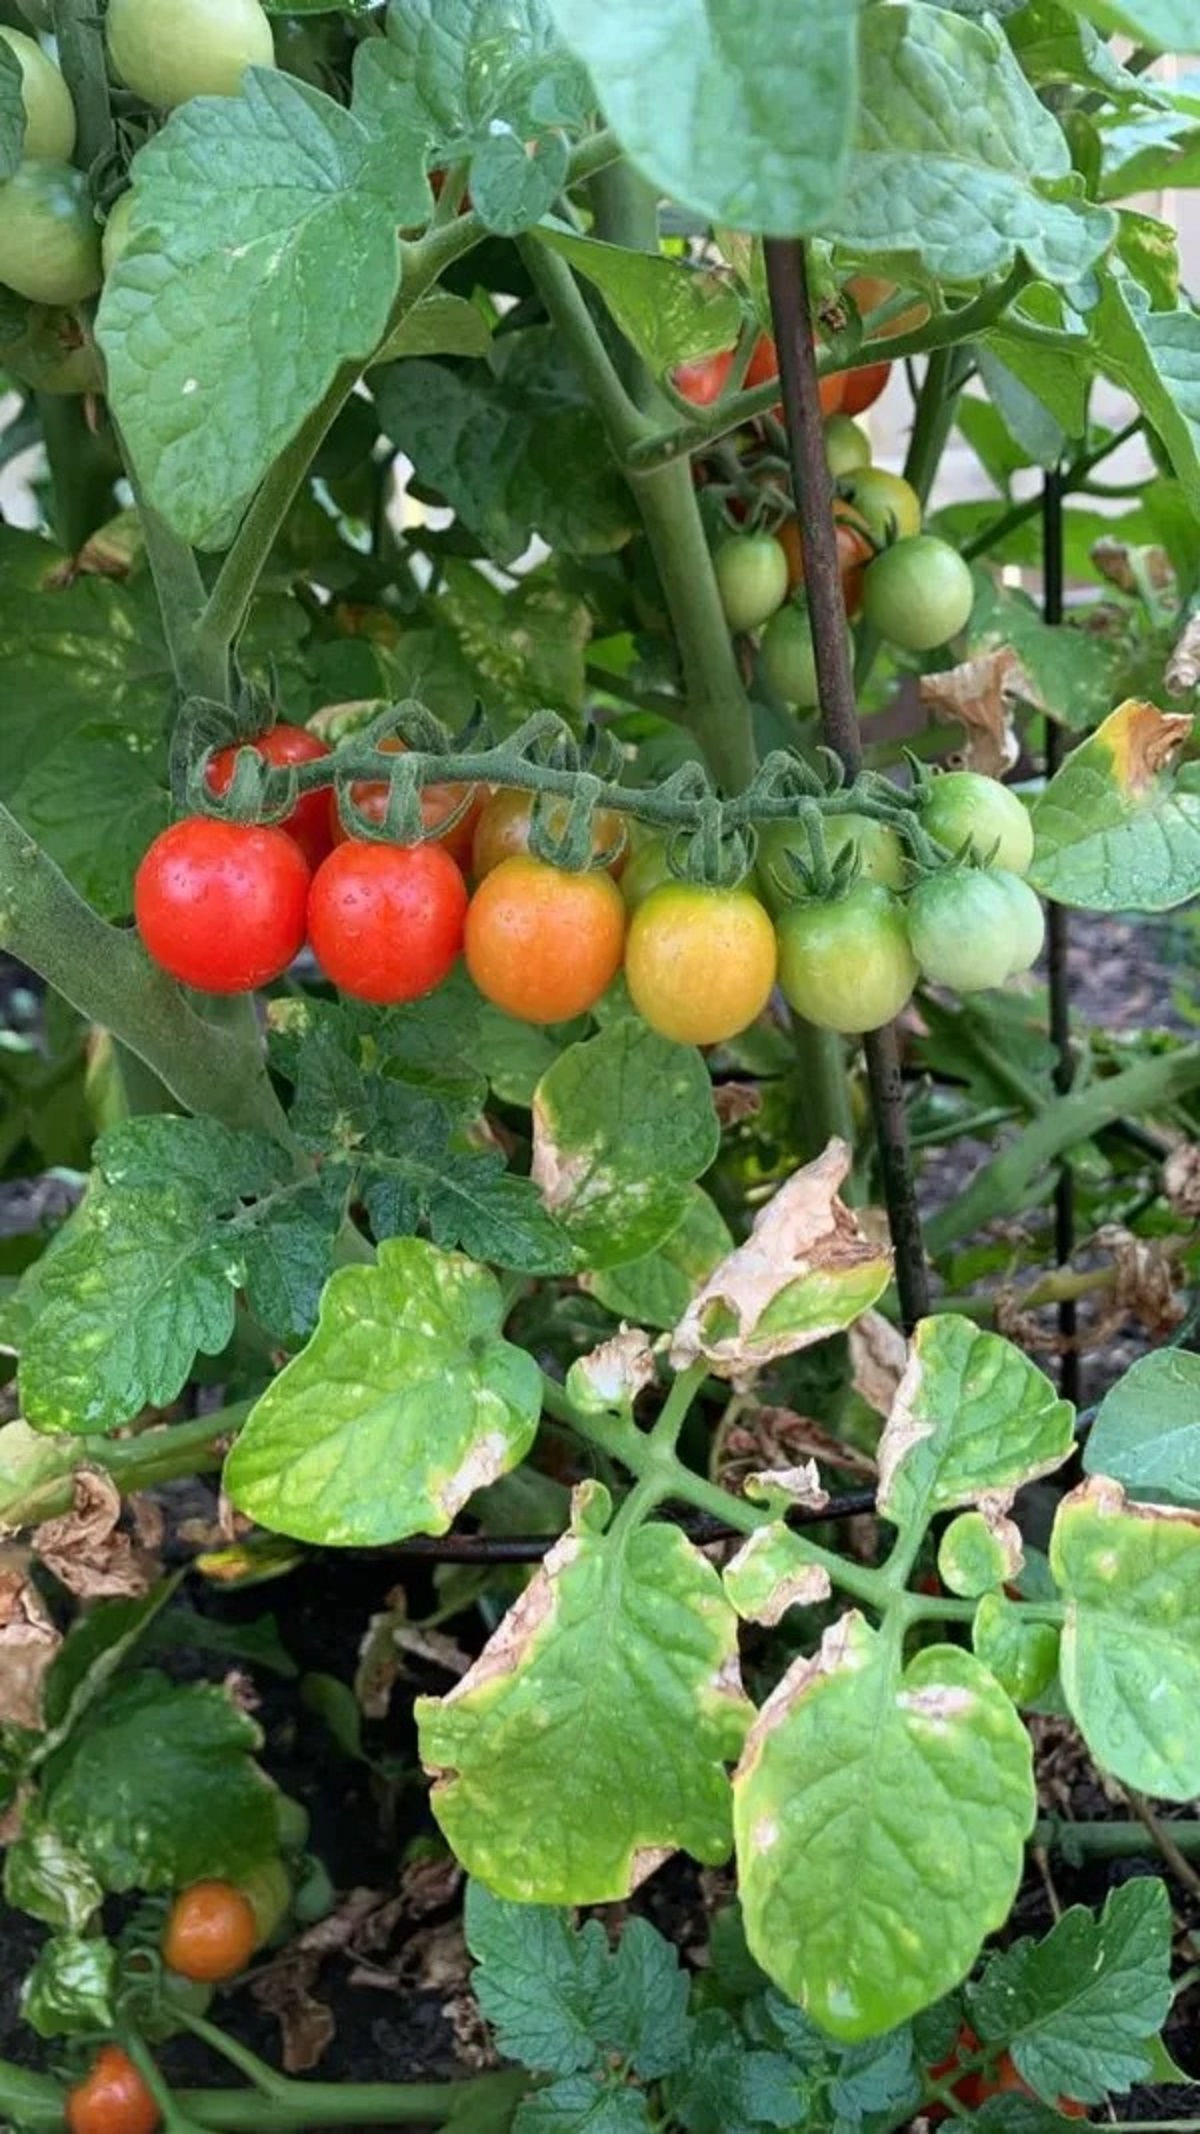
[[226, 907], [977, 2084]]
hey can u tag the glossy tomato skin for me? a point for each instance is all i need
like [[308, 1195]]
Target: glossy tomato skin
[[49, 112], [211, 1933], [919, 593], [889, 504], [880, 854], [703, 381], [787, 658], [869, 293], [112, 2098], [541, 944], [308, 822], [700, 962], [503, 825], [845, 963], [1028, 918], [386, 921], [438, 803], [963, 807], [855, 549], [962, 929], [221, 905], [862, 388], [847, 446], [49, 241], [752, 579], [191, 48]]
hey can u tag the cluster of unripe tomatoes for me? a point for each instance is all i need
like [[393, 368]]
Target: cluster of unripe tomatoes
[[226, 907], [212, 1932]]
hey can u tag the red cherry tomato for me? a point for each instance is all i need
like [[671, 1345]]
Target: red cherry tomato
[[112, 2098], [862, 388], [211, 1932], [386, 921], [503, 824], [308, 822], [437, 803], [221, 905], [703, 381]]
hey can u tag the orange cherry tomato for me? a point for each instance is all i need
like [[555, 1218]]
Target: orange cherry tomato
[[855, 551], [703, 381], [700, 962], [211, 1932], [861, 388], [869, 293], [503, 824], [437, 802], [308, 823], [112, 2098], [541, 944]]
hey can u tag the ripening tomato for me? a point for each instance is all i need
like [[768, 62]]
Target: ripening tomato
[[191, 48], [880, 854], [112, 2098], [962, 929], [752, 578], [919, 593], [49, 112], [386, 921], [889, 505], [49, 242], [308, 822], [542, 944], [221, 905], [870, 293], [703, 381], [964, 809], [977, 2086], [211, 1932], [861, 388], [503, 825], [438, 802], [846, 963], [700, 962], [855, 550]]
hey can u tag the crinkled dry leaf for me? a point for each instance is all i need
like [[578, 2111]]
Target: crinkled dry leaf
[[981, 696], [1182, 672], [86, 1550], [28, 1643], [1146, 1276], [756, 1438], [306, 2025], [878, 1355], [787, 1486], [611, 1376], [1181, 1180], [806, 1271], [1122, 565], [1145, 743], [736, 1101]]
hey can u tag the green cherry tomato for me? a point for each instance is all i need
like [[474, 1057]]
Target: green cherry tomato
[[786, 657], [845, 963], [117, 231], [918, 593], [963, 930], [880, 854], [49, 242], [963, 808], [847, 446], [889, 504], [167, 54], [752, 578], [49, 112], [1029, 920]]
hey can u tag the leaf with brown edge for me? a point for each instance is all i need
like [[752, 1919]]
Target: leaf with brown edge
[[28, 1643], [806, 1271], [771, 1573], [981, 695], [85, 1548], [1118, 827]]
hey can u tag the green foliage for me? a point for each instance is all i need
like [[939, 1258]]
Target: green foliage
[[1147, 1433]]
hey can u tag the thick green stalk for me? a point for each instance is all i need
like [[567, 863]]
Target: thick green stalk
[[104, 972], [134, 1463], [301, 2105], [78, 28], [82, 467]]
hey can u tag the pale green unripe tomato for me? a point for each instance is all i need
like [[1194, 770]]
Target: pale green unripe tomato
[[168, 51], [116, 231], [49, 112], [49, 241]]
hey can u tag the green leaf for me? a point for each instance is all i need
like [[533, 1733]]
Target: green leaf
[[583, 2104], [1155, 356], [729, 2088], [965, 198], [1021, 1652], [913, 1788], [1078, 2009], [69, 1992], [512, 452], [406, 1400], [1071, 674], [1130, 1576], [216, 325], [1116, 829], [157, 1787], [773, 1572], [623, 1125], [439, 325], [657, 1289], [978, 1551], [180, 1215], [1024, 412], [1166, 25], [50, 1880], [1147, 1433], [519, 650], [620, 1645], [667, 309], [560, 2000], [12, 111], [1054, 45], [722, 113], [972, 1416]]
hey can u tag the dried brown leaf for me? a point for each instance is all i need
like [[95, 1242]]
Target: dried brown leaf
[[1182, 672], [1146, 1276], [1181, 1180], [306, 2025], [86, 1549], [28, 1643], [878, 1354], [981, 695]]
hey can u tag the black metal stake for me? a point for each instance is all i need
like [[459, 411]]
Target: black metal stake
[[1058, 938], [791, 311]]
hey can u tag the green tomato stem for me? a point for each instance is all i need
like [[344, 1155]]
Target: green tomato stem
[[78, 28]]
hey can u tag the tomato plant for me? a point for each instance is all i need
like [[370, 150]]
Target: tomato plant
[[222, 907], [386, 921], [547, 1396]]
